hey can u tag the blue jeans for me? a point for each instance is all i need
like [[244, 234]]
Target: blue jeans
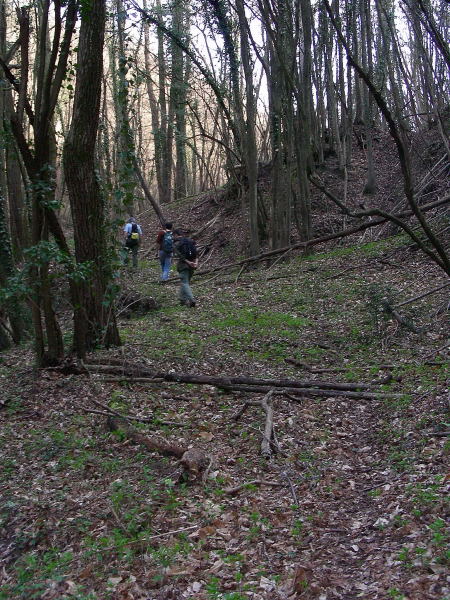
[[185, 293], [166, 260]]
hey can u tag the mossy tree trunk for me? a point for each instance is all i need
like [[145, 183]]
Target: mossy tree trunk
[[94, 320]]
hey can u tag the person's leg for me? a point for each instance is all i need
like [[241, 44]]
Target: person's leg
[[162, 258], [185, 293], [135, 255], [165, 264]]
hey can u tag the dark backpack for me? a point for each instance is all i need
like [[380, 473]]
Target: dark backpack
[[188, 249], [133, 236], [167, 242]]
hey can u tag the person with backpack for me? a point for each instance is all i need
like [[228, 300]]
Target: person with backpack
[[186, 253], [165, 244], [133, 234]]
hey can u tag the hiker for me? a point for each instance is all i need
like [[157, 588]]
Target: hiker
[[164, 242], [186, 253], [132, 240]]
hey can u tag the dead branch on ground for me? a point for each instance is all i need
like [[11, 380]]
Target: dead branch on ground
[[429, 293], [315, 388], [315, 393], [151, 443], [323, 239], [318, 370], [266, 404], [195, 462], [232, 491], [405, 322]]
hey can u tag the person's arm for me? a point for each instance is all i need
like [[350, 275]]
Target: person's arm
[[159, 239], [192, 263]]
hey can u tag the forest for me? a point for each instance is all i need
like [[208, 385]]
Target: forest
[[279, 430]]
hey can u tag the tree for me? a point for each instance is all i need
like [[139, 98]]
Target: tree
[[437, 250], [38, 157], [94, 319]]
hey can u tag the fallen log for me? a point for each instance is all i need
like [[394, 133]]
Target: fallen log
[[250, 384], [142, 374], [151, 443], [318, 370], [125, 370], [276, 383], [195, 461], [319, 393]]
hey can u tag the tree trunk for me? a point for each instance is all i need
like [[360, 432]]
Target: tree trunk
[[94, 320]]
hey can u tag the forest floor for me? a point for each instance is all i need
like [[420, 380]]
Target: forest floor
[[357, 500]]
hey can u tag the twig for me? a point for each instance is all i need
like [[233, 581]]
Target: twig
[[128, 379], [148, 539], [293, 398], [238, 414], [231, 491], [422, 295], [398, 317], [314, 392], [341, 273], [211, 279], [445, 347], [277, 260], [119, 522], [109, 411], [268, 429], [242, 269], [206, 261], [291, 487]]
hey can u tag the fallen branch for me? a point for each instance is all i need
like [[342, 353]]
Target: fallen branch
[[142, 380], [266, 404], [285, 475], [248, 384], [232, 491], [194, 461], [125, 370], [341, 273], [318, 393], [211, 222], [149, 196], [440, 433], [407, 323], [151, 443], [422, 295], [317, 370], [238, 414], [275, 383], [325, 238], [242, 269], [148, 539]]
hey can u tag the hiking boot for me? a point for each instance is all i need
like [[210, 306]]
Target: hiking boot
[[192, 304]]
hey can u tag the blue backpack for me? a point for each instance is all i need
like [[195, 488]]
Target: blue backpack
[[167, 242]]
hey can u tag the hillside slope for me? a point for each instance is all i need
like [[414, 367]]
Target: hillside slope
[[352, 502]]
